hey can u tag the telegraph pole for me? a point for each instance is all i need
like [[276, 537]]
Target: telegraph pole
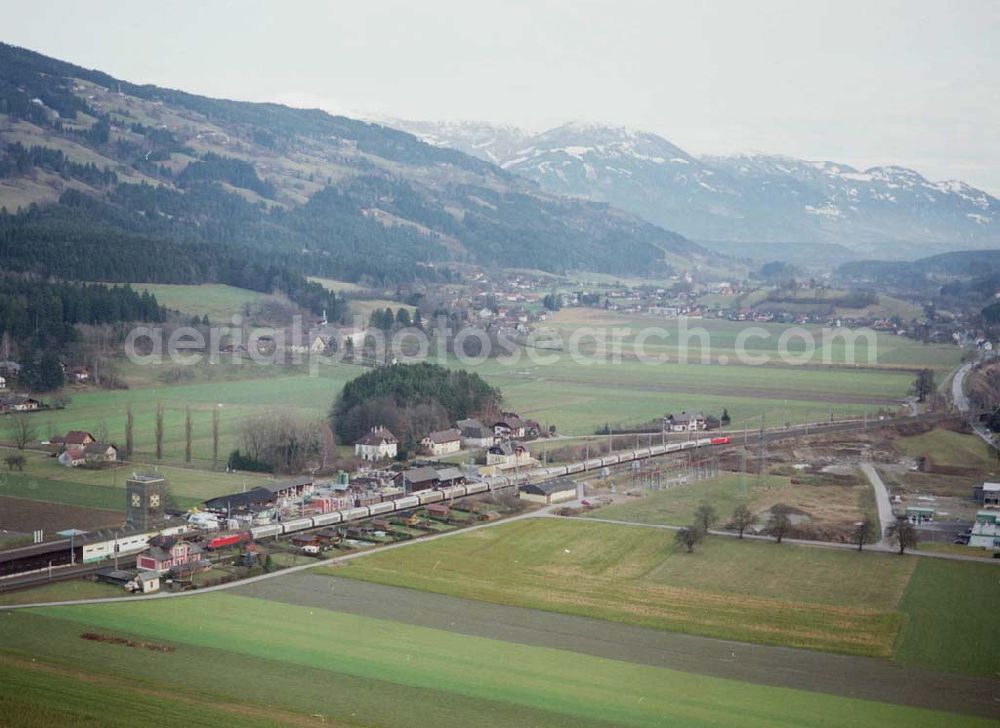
[[760, 456]]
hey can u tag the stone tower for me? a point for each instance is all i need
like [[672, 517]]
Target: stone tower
[[145, 504]]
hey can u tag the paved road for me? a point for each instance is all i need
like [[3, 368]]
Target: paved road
[[856, 677], [885, 514], [958, 395], [797, 541], [962, 403]]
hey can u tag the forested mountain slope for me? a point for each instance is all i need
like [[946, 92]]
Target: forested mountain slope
[[103, 179]]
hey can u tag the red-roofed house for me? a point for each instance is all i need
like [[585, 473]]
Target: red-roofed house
[[78, 437], [167, 553], [71, 457]]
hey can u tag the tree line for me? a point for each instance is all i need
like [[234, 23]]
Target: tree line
[[86, 239], [19, 160], [40, 318]]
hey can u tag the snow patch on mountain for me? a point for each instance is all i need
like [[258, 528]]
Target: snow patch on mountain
[[743, 197]]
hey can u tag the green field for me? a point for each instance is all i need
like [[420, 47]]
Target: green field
[[216, 300], [749, 591], [826, 599], [62, 591], [243, 661], [577, 397], [836, 505], [334, 285], [715, 337], [950, 607], [44, 479], [234, 399], [676, 505], [946, 447]]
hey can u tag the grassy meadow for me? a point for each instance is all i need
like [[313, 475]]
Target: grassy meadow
[[216, 300], [749, 591], [950, 606], [44, 479], [279, 664], [946, 447], [865, 603], [828, 505], [577, 396]]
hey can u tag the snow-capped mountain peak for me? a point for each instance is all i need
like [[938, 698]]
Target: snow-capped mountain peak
[[743, 197]]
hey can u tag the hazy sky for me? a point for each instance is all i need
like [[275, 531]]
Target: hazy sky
[[914, 82]]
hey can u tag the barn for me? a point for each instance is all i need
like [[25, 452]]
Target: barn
[[551, 491]]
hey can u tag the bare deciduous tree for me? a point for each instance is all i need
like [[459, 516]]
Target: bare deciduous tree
[[863, 531], [779, 524], [285, 443], [329, 444], [22, 429], [903, 534], [743, 518], [705, 517]]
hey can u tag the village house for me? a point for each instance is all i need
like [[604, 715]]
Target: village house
[[166, 553], [100, 453], [508, 454], [685, 422], [510, 425], [298, 342], [18, 403], [79, 375], [443, 442], [72, 457], [475, 433], [77, 438], [379, 444]]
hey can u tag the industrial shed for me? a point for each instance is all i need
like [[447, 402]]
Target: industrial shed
[[551, 491]]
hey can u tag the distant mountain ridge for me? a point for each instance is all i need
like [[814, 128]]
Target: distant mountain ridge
[[97, 164], [889, 211]]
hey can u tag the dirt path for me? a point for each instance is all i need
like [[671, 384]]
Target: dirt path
[[885, 515], [856, 677]]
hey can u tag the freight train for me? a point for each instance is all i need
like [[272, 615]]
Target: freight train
[[360, 513], [92, 550], [457, 491]]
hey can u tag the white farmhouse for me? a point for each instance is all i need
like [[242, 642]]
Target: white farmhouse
[[379, 444]]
